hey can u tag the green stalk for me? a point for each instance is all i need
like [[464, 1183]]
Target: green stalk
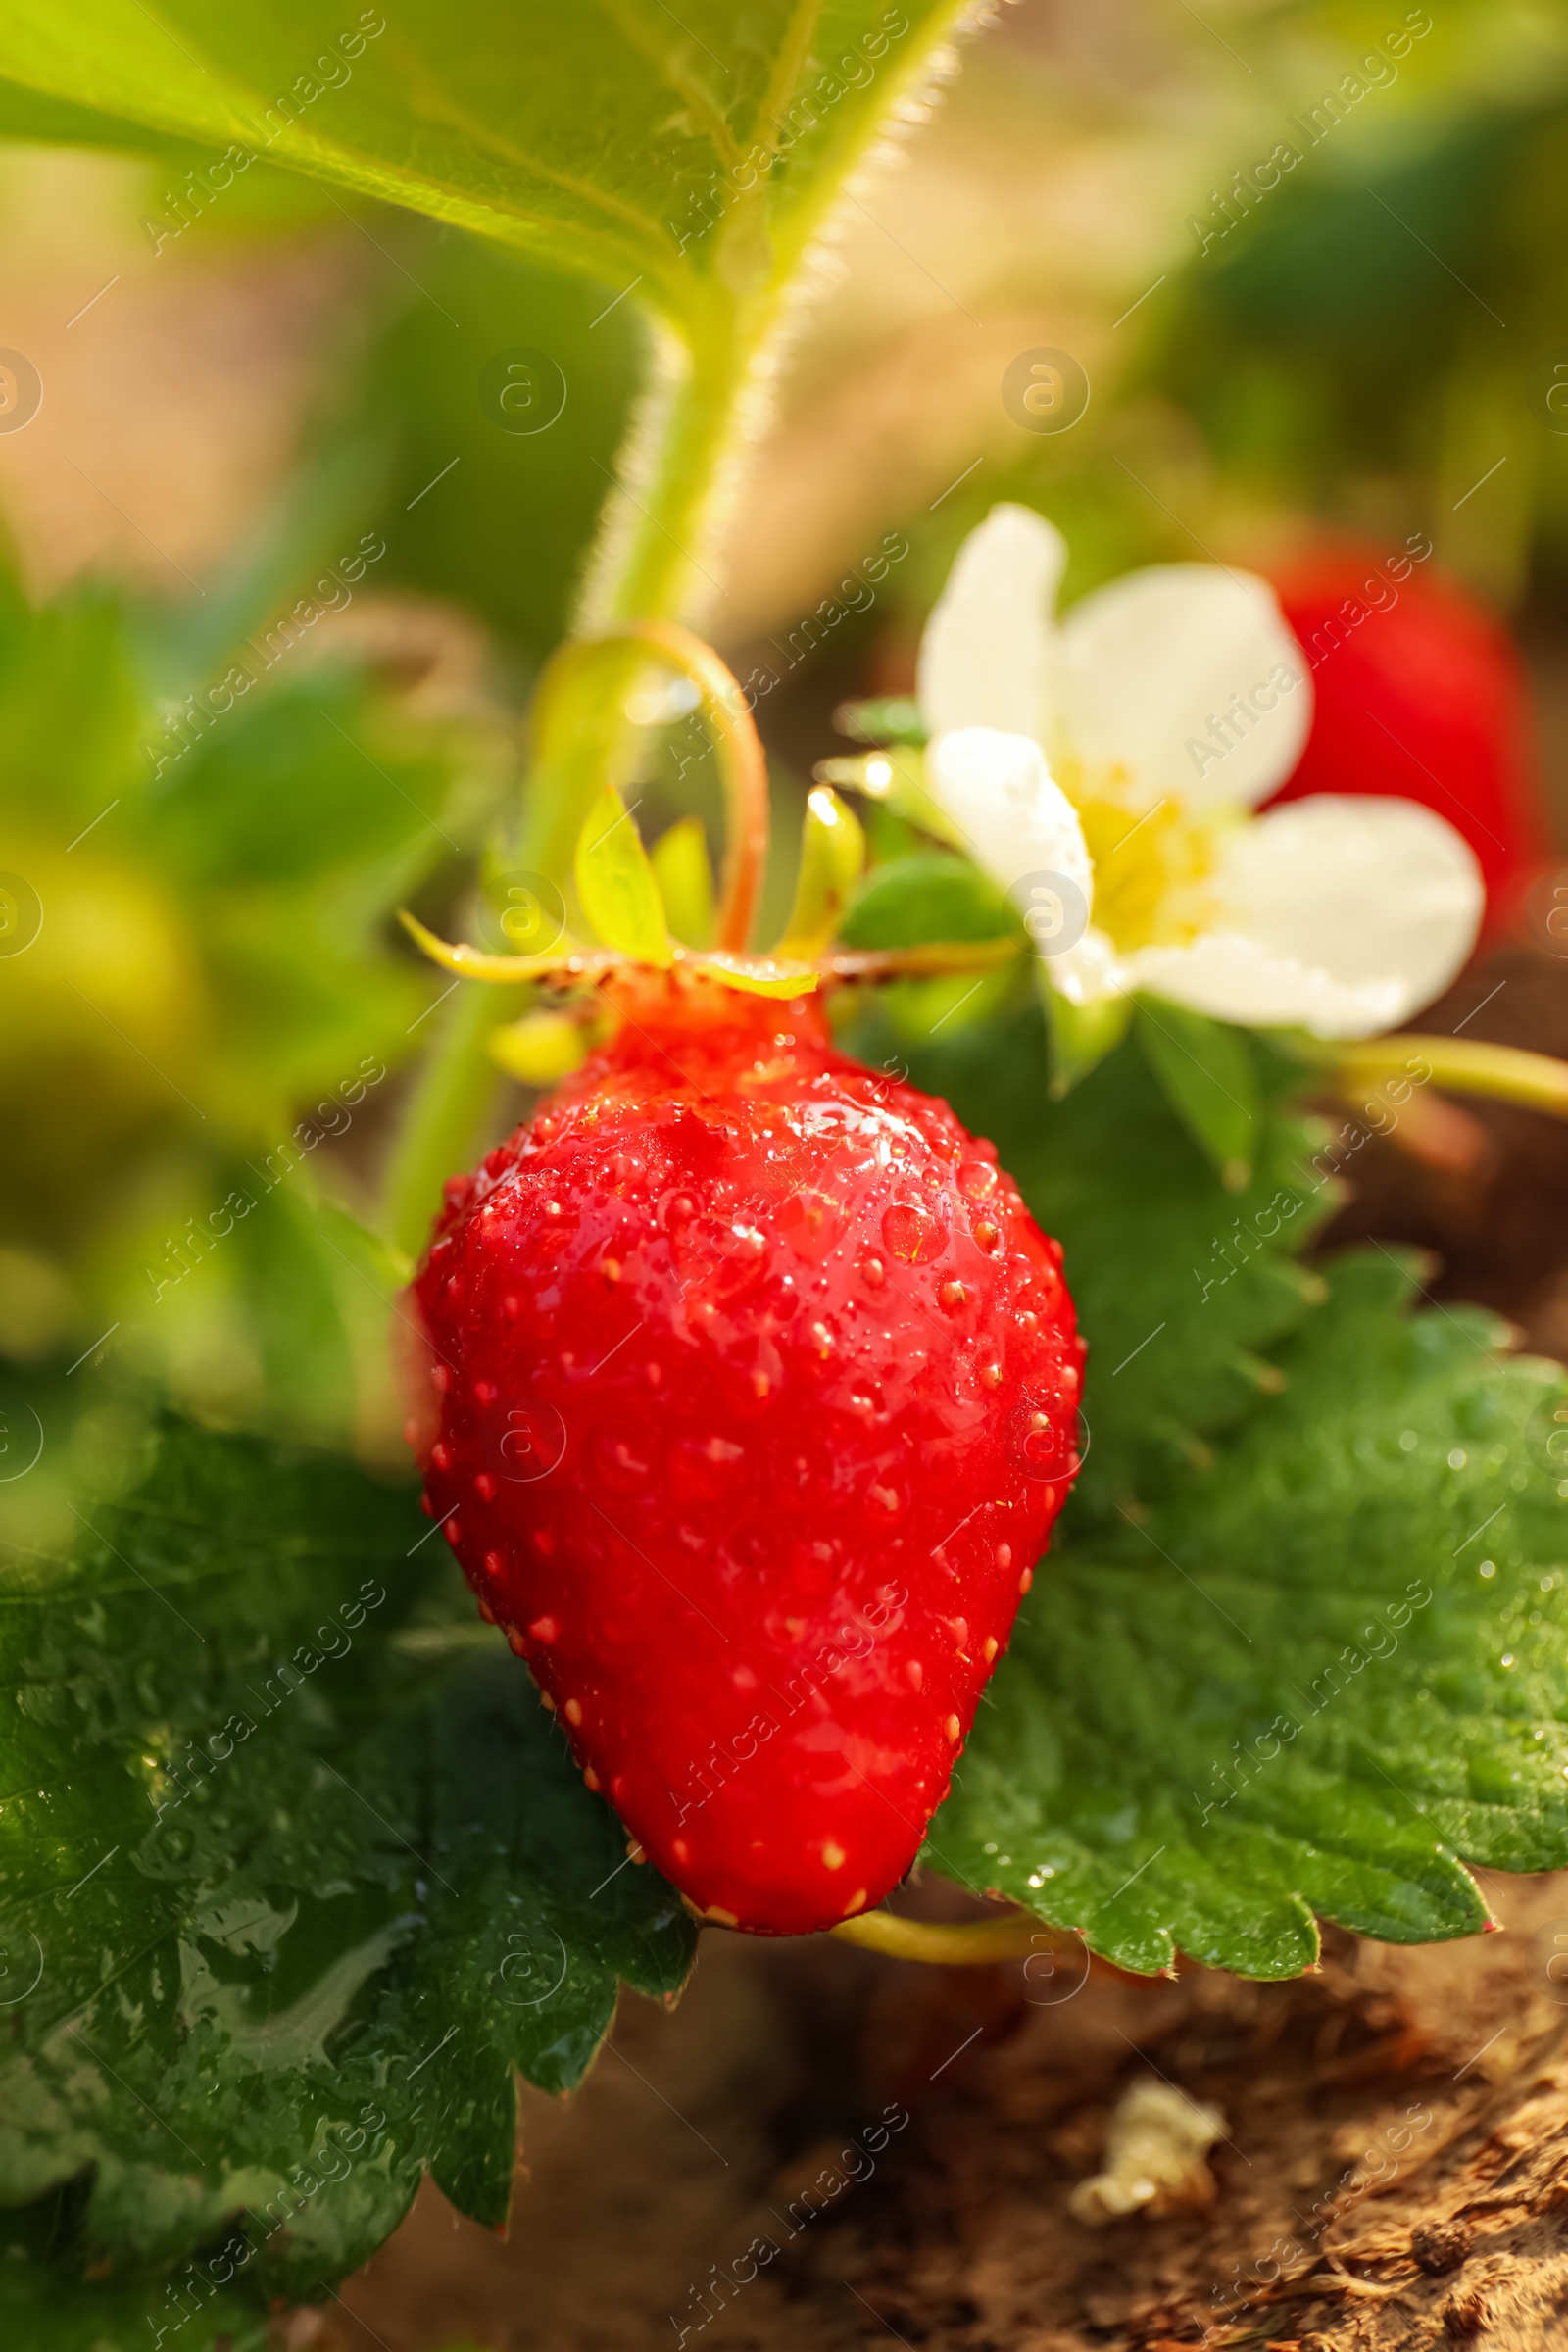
[[1462, 1065], [953, 1943], [662, 569], [687, 439]]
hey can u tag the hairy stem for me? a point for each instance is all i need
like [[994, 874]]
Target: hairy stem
[[649, 568], [655, 559]]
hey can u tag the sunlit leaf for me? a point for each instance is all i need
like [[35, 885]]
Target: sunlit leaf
[[895, 780], [884, 720], [760, 976], [832, 860], [712, 142], [617, 884], [541, 1048], [684, 872]]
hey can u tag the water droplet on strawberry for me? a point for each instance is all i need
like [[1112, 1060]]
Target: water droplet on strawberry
[[913, 1233]]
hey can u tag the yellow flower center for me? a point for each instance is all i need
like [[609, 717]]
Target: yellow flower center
[[1152, 868]]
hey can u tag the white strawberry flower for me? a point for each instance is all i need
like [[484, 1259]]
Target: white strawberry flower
[[1113, 761]]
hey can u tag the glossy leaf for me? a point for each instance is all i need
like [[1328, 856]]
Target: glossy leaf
[[1316, 1680], [617, 884], [832, 860], [893, 781], [674, 180], [304, 1870]]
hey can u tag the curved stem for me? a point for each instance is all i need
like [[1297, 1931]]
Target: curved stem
[[579, 717], [742, 767], [1464, 1066], [656, 537], [965, 1943]]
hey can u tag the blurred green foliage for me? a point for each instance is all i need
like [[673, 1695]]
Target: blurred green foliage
[[509, 522], [201, 988], [1356, 344]]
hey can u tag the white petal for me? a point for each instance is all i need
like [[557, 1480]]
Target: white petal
[[1233, 979], [1188, 677], [1090, 970], [982, 657], [1018, 825], [1343, 915]]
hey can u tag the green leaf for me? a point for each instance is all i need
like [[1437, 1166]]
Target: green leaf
[[757, 975], [1320, 1677], [310, 1871], [893, 781], [684, 872], [1208, 1072], [617, 884], [541, 1048], [925, 896], [212, 998], [1081, 1035], [832, 860], [929, 896], [706, 156], [886, 718], [45, 2306]]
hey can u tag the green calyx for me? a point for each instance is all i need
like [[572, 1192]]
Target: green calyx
[[657, 913]]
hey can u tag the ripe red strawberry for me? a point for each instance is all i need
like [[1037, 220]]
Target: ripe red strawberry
[[1418, 692], [755, 1388]]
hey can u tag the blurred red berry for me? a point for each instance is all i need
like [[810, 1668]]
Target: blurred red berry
[[1420, 694]]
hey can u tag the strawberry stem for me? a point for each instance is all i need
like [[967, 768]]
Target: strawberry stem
[[1463, 1065], [742, 768], [952, 1944]]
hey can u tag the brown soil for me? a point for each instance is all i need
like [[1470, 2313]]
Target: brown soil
[[1395, 2171]]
